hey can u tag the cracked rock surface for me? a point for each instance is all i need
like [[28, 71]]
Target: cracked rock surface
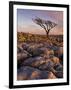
[[39, 61]]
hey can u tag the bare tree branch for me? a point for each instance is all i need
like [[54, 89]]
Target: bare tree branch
[[45, 24]]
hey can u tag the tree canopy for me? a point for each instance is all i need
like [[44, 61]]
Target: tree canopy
[[45, 24]]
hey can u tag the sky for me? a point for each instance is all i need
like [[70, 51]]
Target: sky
[[26, 24]]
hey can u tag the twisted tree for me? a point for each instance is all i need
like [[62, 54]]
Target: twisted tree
[[45, 24]]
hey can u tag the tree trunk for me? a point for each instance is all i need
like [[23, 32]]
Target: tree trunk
[[47, 33]]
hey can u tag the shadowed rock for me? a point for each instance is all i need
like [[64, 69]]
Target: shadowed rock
[[46, 51], [59, 74], [38, 50], [35, 61], [49, 64], [25, 46], [39, 61], [61, 59], [59, 52], [23, 55], [19, 49], [39, 75], [51, 76], [29, 73], [53, 47], [34, 50], [58, 67], [24, 72]]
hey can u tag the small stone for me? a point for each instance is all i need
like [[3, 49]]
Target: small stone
[[51, 76], [55, 59]]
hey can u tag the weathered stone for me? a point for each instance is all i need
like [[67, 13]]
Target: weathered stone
[[22, 77], [19, 49], [34, 50], [23, 55], [24, 72], [59, 52], [61, 59], [58, 67], [44, 75], [51, 76], [35, 61], [55, 59], [46, 51], [25, 46], [59, 74], [49, 64], [39, 61], [35, 75], [29, 73], [52, 47]]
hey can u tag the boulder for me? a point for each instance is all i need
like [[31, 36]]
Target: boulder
[[34, 61], [59, 74], [30, 73], [47, 66], [55, 60], [19, 49], [51, 76], [25, 46], [34, 50], [59, 52], [23, 55], [61, 59], [53, 47], [58, 67], [37, 50], [46, 52], [35, 75], [24, 73]]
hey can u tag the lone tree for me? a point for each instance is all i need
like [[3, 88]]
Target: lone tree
[[45, 24]]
